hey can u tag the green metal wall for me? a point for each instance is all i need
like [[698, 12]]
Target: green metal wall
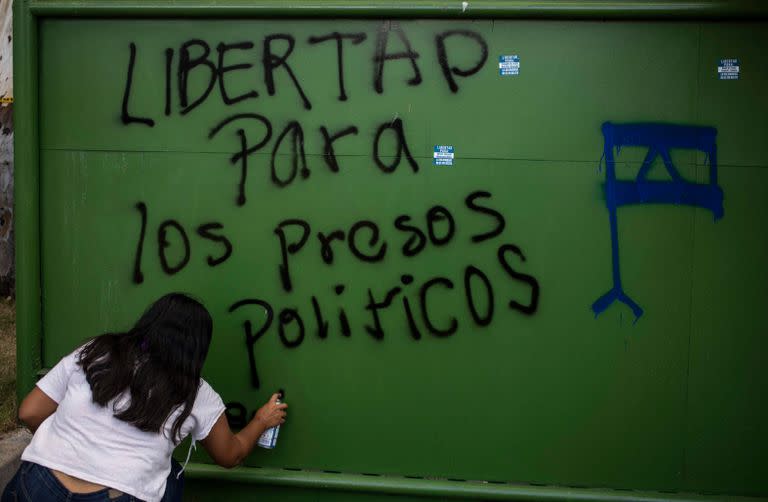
[[542, 392]]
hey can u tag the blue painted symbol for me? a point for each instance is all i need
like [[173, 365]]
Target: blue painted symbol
[[659, 139]]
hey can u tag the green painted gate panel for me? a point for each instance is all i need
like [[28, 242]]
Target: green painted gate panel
[[541, 391]]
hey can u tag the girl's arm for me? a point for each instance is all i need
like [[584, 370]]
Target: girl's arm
[[228, 449], [35, 408]]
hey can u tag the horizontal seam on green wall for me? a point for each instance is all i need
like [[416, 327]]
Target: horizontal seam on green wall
[[660, 9], [629, 164]]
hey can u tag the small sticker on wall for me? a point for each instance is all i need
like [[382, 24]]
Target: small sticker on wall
[[509, 65], [728, 69], [443, 155]]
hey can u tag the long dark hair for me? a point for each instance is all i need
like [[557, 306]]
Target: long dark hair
[[158, 362]]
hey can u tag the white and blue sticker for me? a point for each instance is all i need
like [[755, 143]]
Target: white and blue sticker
[[509, 65], [728, 69], [443, 155]]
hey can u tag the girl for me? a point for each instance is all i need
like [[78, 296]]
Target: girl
[[107, 418]]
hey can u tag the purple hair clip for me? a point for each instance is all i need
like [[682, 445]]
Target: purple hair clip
[[144, 345]]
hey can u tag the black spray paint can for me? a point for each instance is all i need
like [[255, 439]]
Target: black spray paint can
[[268, 438]]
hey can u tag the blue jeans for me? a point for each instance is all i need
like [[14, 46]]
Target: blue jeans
[[35, 483]]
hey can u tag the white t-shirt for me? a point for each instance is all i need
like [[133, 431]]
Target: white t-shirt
[[86, 441]]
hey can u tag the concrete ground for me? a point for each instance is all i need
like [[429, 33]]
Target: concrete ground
[[11, 446]]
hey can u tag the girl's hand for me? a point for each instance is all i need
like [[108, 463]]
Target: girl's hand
[[272, 413]]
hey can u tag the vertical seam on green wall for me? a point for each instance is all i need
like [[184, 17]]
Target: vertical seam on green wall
[[686, 405], [38, 167]]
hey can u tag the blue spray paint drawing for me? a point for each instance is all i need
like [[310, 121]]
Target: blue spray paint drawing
[[659, 139]]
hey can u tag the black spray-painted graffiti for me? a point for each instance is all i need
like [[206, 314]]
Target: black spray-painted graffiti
[[364, 241], [368, 240], [195, 57]]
